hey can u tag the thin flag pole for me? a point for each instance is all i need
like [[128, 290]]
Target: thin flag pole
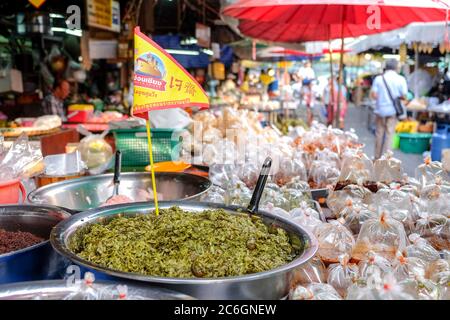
[[152, 169]]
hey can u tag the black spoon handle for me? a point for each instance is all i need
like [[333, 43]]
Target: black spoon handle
[[257, 193], [117, 167]]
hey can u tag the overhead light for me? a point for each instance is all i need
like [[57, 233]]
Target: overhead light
[[75, 32], [209, 52], [391, 56], [368, 56], [58, 29], [188, 41], [183, 52], [56, 15]]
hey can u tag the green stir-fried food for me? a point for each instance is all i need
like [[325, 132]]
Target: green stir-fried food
[[180, 244]]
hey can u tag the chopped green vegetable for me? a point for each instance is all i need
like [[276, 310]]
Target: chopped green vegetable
[[180, 244]]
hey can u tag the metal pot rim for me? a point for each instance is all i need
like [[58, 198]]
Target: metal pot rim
[[58, 236], [33, 193], [31, 206]]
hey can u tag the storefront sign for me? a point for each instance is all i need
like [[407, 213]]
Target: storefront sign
[[103, 14], [160, 82], [203, 35]]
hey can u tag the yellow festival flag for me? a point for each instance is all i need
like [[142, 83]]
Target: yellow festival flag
[[160, 82]]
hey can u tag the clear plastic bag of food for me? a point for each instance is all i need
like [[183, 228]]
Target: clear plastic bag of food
[[385, 287], [314, 291], [435, 228], [95, 151], [306, 217], [342, 275], [275, 198], [436, 198], [326, 155], [21, 160], [388, 169], [313, 271], [269, 207], [374, 266], [237, 194], [337, 199], [382, 235], [422, 289], [223, 175], [288, 169], [429, 171], [439, 271], [322, 175], [334, 240], [399, 204], [215, 195], [421, 248], [249, 174], [296, 197], [354, 215], [408, 267], [357, 169], [299, 185]]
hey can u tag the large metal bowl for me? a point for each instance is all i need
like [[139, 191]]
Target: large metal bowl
[[40, 261], [273, 284], [90, 192]]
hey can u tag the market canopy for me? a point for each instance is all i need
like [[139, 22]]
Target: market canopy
[[315, 20], [433, 33]]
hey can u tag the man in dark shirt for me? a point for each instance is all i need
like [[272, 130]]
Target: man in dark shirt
[[54, 102]]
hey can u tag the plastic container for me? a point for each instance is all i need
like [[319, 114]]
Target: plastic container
[[80, 113], [440, 141], [415, 142], [396, 142], [9, 192], [133, 143]]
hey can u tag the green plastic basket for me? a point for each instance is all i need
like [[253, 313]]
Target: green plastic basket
[[415, 142], [166, 144]]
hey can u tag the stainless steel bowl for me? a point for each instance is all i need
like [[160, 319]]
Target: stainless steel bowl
[[90, 192], [40, 261], [105, 290], [273, 284]]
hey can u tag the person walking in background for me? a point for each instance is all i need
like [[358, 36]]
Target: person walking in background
[[308, 100], [385, 88], [332, 105]]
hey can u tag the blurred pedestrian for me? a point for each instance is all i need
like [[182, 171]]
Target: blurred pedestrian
[[386, 88]]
